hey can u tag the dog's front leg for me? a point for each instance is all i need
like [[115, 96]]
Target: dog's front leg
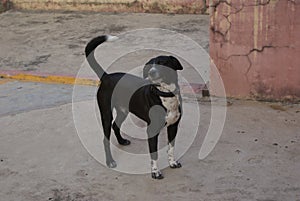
[[155, 172], [157, 121], [172, 132]]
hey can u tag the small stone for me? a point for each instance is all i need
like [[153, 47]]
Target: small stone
[[237, 151], [275, 144], [229, 103], [255, 140]]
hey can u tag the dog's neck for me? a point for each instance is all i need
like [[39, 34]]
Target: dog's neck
[[165, 90], [166, 87]]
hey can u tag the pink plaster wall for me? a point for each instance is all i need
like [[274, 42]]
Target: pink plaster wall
[[255, 45]]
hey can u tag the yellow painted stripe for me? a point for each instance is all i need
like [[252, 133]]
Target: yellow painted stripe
[[63, 79], [52, 79]]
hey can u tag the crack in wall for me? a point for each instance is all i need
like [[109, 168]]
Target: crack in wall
[[258, 3], [293, 2], [248, 56], [204, 9], [227, 16], [255, 50]]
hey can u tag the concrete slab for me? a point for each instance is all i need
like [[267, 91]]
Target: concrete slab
[[257, 158], [19, 97]]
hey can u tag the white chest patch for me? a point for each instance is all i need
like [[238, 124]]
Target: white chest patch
[[170, 103]]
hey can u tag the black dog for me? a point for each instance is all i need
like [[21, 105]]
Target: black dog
[[155, 99]]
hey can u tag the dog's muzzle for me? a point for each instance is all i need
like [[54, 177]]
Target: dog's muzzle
[[153, 73]]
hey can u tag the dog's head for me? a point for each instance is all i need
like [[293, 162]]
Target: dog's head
[[162, 69]]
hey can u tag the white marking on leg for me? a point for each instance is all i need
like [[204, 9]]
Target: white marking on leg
[[155, 171], [171, 157], [154, 167]]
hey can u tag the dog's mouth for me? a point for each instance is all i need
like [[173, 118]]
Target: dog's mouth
[[157, 81]]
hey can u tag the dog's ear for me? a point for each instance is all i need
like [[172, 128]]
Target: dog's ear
[[175, 63], [146, 70]]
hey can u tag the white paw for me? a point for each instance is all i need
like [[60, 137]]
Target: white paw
[[157, 175], [175, 164]]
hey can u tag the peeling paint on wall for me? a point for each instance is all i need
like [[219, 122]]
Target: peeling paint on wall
[[255, 27], [258, 54]]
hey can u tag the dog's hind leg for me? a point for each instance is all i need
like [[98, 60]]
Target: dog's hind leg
[[120, 118], [106, 122], [106, 118], [172, 132]]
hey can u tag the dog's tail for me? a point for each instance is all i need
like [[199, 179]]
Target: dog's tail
[[89, 53]]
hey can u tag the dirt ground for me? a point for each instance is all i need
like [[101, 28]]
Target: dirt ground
[[42, 158], [54, 42]]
